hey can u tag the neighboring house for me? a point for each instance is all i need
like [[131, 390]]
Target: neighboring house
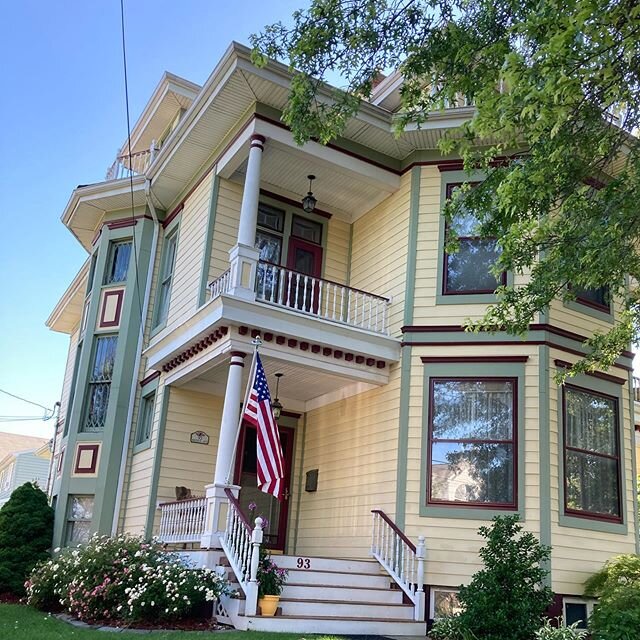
[[22, 459], [389, 405]]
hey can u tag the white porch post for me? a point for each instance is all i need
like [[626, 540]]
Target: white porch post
[[244, 256], [217, 500]]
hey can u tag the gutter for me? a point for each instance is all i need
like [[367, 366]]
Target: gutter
[[136, 368]]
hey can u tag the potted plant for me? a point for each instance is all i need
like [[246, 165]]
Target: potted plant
[[271, 579]]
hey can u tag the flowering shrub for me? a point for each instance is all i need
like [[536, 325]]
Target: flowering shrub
[[271, 578], [121, 580]]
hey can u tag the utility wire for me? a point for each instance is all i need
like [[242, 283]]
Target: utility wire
[[37, 404]]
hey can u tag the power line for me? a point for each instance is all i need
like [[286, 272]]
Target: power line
[[37, 404]]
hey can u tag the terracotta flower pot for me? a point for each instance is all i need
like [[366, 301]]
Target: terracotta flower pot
[[268, 605]]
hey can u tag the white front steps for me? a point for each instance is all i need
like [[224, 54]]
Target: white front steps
[[327, 595]]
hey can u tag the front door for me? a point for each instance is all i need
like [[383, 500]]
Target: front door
[[305, 259], [266, 506]]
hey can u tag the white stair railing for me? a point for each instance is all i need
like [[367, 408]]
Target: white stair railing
[[321, 298], [222, 284], [183, 520], [241, 545], [400, 558]]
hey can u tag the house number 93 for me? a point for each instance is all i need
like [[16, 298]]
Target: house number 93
[[303, 563]]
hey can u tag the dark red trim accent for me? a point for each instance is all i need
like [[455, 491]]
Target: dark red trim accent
[[150, 378], [171, 217], [594, 374], [326, 351], [395, 527], [96, 236], [236, 504], [121, 224], [359, 359], [239, 354], [315, 348], [95, 448], [119, 293], [243, 330], [380, 364], [267, 336], [492, 359], [348, 357], [337, 354], [255, 333], [370, 362], [257, 137], [579, 513], [513, 442], [280, 339], [292, 343], [290, 414], [196, 348], [293, 203], [304, 346]]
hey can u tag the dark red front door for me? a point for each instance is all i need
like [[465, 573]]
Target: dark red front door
[[305, 258], [266, 506]]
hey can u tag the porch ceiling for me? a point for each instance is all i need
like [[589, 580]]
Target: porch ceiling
[[299, 385]]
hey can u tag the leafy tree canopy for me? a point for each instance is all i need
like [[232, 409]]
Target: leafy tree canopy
[[556, 89]]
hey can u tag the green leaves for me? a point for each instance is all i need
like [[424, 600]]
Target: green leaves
[[557, 81]]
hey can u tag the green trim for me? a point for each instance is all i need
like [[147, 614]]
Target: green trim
[[208, 240], [157, 459], [544, 445], [299, 500], [403, 438], [589, 383], [634, 463], [585, 309], [447, 178], [146, 391], [412, 249], [479, 370]]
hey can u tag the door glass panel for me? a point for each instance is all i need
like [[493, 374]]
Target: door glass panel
[[306, 229], [304, 261]]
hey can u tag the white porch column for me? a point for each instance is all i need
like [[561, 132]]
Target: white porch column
[[244, 256], [217, 501]]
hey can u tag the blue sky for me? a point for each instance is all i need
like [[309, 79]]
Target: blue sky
[[63, 117]]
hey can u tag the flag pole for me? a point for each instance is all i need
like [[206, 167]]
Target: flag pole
[[256, 342]]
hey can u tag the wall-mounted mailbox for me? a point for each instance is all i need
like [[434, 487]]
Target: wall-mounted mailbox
[[311, 482]]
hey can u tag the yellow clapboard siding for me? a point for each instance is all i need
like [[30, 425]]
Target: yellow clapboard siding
[[225, 230]]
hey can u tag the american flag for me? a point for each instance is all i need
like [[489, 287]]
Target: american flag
[[258, 412]]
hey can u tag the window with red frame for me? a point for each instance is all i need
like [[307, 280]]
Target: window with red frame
[[468, 270], [591, 454], [472, 442], [598, 298]]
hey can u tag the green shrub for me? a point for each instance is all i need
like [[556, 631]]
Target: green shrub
[[26, 529], [450, 629], [617, 585], [121, 580], [548, 632], [507, 599]]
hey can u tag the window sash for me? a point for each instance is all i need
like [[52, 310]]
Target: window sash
[[79, 519], [166, 276], [99, 385], [598, 298], [118, 262], [592, 482], [481, 456], [145, 422]]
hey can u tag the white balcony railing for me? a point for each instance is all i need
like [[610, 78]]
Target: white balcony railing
[[182, 521], [321, 298], [222, 284], [126, 166]]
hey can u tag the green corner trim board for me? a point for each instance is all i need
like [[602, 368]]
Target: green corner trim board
[[208, 240]]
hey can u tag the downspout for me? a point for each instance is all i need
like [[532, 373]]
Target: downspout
[[136, 369]]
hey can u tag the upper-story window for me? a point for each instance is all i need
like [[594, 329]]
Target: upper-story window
[[145, 420], [468, 271], [117, 262], [472, 442], [598, 298], [591, 454], [167, 266], [100, 377]]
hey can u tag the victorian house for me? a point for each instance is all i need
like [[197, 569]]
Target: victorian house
[[402, 433]]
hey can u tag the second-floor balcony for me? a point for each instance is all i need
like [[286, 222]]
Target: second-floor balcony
[[125, 166], [316, 297]]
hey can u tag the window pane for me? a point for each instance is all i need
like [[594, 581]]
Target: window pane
[[598, 297], [146, 419], [100, 383], [270, 217], [591, 421], [465, 223], [81, 508], [270, 247], [78, 533], [575, 612], [306, 229], [117, 262], [445, 604], [468, 270], [168, 264], [169, 256], [472, 472], [592, 484], [472, 410]]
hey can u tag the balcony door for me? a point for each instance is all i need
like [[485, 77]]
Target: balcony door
[[305, 259], [266, 506]]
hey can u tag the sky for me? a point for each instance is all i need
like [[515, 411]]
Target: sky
[[63, 113]]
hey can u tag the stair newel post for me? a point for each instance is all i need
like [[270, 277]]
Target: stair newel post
[[251, 606], [420, 555]]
